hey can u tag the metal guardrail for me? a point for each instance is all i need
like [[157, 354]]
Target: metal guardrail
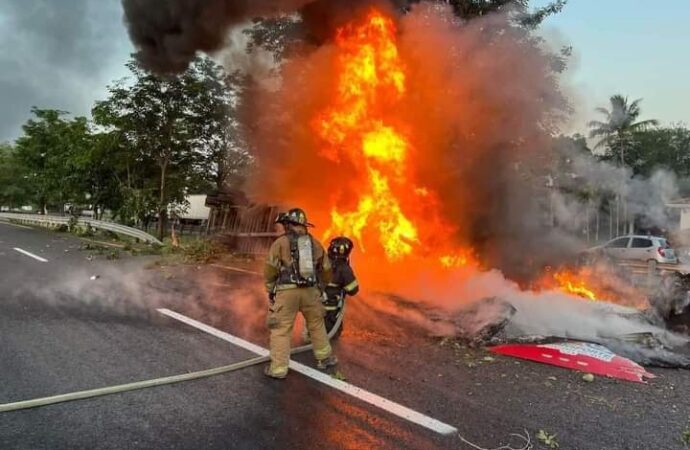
[[82, 221], [644, 267]]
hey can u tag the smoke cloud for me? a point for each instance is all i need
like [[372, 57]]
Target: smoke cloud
[[644, 198], [168, 36], [131, 291]]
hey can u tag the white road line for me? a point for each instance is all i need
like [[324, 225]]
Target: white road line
[[30, 255], [365, 396]]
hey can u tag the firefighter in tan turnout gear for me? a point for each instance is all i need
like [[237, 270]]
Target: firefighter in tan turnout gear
[[296, 269]]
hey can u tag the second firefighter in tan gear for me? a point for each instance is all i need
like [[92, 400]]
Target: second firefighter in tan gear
[[295, 268]]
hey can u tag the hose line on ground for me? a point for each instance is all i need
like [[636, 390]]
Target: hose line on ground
[[99, 392]]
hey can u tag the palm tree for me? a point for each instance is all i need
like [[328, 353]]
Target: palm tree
[[616, 131]]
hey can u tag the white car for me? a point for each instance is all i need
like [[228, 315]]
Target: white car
[[638, 248]]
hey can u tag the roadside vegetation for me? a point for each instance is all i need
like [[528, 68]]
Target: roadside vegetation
[[153, 141], [685, 437]]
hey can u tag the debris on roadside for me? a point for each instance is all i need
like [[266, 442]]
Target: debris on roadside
[[638, 336], [95, 277], [685, 437], [580, 356], [588, 377], [483, 321], [338, 375], [548, 439]]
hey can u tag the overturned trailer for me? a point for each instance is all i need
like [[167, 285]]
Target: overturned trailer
[[243, 226]]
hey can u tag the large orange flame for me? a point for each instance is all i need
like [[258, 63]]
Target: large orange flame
[[574, 284], [581, 282], [360, 126]]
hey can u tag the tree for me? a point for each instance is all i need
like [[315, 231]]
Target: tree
[[667, 147], [616, 134], [48, 150], [14, 188], [220, 135], [153, 115], [175, 134], [276, 35], [616, 131], [519, 9], [96, 167]]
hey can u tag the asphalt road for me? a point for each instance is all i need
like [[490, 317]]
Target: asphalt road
[[61, 331]]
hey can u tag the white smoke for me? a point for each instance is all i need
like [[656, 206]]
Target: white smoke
[[235, 56], [640, 197]]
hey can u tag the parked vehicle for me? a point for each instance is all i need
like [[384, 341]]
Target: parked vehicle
[[651, 249]]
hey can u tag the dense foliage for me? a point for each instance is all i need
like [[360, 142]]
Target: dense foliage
[[152, 141]]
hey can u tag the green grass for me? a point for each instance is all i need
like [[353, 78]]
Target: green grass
[[549, 440], [685, 437]]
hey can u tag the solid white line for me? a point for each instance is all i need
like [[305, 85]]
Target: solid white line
[[215, 332], [366, 396], [30, 255]]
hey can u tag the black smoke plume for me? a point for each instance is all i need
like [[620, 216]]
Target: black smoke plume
[[168, 34]]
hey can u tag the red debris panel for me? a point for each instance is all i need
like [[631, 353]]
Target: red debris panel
[[580, 356]]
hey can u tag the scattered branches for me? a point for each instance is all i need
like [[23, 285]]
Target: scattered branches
[[526, 442]]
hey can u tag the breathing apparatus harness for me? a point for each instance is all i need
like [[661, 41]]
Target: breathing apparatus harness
[[302, 272]]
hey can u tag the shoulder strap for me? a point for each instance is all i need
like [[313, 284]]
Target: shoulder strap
[[294, 251]]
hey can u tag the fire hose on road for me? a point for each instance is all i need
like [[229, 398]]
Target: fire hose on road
[[99, 392]]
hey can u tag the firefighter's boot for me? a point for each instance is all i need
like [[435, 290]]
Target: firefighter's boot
[[324, 364], [268, 373]]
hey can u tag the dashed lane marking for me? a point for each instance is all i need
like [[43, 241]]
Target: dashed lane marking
[[347, 388], [30, 255]]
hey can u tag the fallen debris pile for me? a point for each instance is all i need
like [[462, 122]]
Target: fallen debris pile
[[555, 325]]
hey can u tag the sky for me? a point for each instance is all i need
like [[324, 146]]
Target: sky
[[57, 54], [63, 53], [635, 48]]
